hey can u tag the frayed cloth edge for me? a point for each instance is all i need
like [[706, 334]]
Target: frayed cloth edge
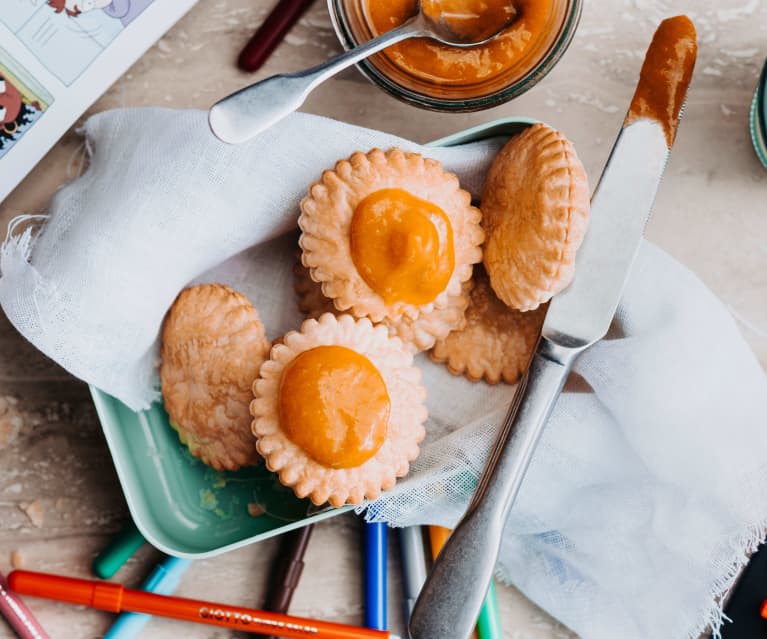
[[712, 614]]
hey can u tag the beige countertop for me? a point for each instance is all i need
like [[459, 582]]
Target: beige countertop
[[59, 497]]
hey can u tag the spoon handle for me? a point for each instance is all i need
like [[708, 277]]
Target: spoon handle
[[242, 115]]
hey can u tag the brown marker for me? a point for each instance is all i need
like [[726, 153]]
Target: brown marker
[[290, 565], [277, 24]]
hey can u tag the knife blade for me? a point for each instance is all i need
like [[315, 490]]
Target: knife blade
[[578, 317]]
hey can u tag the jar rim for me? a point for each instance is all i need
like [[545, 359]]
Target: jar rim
[[336, 9], [762, 101], [758, 118]]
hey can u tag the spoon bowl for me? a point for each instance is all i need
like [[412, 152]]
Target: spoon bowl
[[246, 113], [465, 23]]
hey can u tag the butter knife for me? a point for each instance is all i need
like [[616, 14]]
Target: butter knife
[[452, 596]]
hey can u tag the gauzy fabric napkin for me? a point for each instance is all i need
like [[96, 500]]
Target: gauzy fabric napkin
[[649, 487]]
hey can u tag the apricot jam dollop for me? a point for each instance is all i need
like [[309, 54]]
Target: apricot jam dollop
[[402, 246], [333, 403], [434, 62], [666, 75]]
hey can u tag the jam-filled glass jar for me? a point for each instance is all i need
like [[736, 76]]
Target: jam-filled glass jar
[[434, 76]]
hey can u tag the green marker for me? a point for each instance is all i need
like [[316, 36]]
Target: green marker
[[121, 548], [489, 621]]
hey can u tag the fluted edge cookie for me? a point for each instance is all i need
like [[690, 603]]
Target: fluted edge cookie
[[213, 345], [419, 334], [535, 207], [301, 470], [496, 343], [326, 223]]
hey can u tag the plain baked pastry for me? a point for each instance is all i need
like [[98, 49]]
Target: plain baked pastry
[[496, 343], [213, 344], [535, 207]]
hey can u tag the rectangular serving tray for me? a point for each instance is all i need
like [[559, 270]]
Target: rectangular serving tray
[[187, 509]]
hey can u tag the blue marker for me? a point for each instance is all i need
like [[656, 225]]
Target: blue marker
[[375, 576], [163, 580]]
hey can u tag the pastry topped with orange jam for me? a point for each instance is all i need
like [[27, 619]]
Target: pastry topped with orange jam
[[402, 246], [419, 334], [314, 389], [339, 410], [389, 234]]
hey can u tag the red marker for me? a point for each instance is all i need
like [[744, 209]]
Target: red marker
[[271, 33], [764, 609], [112, 597]]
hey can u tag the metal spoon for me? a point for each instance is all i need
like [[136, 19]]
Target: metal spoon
[[249, 111]]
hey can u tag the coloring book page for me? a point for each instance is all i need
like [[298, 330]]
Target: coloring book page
[[56, 58]]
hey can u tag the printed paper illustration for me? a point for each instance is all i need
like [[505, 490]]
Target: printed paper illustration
[[67, 35], [22, 101]]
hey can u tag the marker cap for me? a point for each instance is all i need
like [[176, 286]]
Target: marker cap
[[104, 596]]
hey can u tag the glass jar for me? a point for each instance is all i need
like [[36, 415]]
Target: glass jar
[[353, 26]]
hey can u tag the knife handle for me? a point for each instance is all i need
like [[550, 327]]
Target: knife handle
[[452, 596]]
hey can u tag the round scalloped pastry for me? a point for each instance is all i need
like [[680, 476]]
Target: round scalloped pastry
[[535, 208], [419, 334], [497, 341], [326, 215], [213, 344], [296, 469], [311, 301]]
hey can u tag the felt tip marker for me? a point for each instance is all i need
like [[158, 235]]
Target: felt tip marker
[[288, 570], [489, 621], [375, 575], [413, 565], [273, 30], [113, 597], [163, 580], [119, 550], [18, 615]]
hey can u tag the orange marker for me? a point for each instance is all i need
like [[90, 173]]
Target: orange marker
[[112, 597], [764, 609], [437, 538]]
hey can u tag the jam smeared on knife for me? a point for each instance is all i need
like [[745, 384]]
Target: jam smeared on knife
[[666, 74]]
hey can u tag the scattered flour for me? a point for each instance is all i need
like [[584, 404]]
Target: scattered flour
[[728, 15]]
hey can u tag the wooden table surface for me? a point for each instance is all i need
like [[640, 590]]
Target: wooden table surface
[[59, 497]]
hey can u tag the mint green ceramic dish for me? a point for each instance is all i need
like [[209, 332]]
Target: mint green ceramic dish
[[187, 509]]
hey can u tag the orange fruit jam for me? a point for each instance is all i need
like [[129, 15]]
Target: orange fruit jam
[[402, 246], [431, 61], [666, 74], [333, 403]]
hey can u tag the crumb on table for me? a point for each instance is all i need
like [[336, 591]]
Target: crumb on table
[[35, 511]]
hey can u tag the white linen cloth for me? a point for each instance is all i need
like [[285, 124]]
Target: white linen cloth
[[649, 487]]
